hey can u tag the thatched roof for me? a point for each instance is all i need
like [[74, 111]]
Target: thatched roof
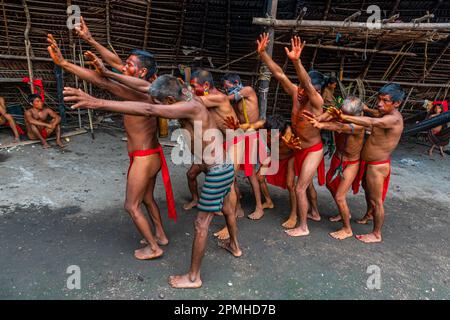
[[212, 33]]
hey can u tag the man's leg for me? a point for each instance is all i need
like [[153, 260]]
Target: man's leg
[[58, 136], [229, 208], [268, 203], [312, 199], [35, 134], [155, 214], [349, 175], [192, 278], [142, 169], [369, 213], [259, 211], [441, 150], [290, 182], [192, 174], [375, 177], [239, 211], [309, 168]]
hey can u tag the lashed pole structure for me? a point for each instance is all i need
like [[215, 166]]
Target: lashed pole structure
[[264, 73]]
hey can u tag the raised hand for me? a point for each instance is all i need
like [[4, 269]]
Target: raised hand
[[81, 99], [336, 113], [96, 62], [297, 47], [231, 123], [262, 42], [82, 30], [292, 142], [54, 51]]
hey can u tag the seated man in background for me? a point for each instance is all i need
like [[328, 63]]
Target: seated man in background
[[38, 128], [6, 120]]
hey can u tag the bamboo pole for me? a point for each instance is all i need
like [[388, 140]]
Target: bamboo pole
[[6, 27], [147, 23], [28, 44]]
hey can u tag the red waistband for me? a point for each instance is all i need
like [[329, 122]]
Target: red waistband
[[144, 153], [374, 163], [345, 162], [314, 148]]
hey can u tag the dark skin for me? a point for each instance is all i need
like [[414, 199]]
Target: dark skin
[[7, 118], [310, 101], [141, 135], [251, 102], [191, 111], [385, 135], [348, 148], [36, 120]]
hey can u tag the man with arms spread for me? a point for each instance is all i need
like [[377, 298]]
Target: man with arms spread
[[177, 102], [307, 97], [146, 155], [36, 122], [345, 162], [7, 120], [375, 167]]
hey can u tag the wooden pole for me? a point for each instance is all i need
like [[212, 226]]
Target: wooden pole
[[147, 23], [28, 44], [271, 11], [6, 27]]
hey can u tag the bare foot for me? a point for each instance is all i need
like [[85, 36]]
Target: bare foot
[[337, 218], [369, 238], [314, 217], [341, 234], [226, 244], [162, 241], [222, 234], [364, 220], [220, 213], [60, 144], [46, 145], [257, 214], [190, 205], [148, 253], [16, 140], [290, 223], [268, 205], [297, 232], [240, 212], [184, 282]]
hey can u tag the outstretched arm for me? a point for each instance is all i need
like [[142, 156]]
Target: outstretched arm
[[372, 112], [110, 57], [302, 74], [91, 76], [334, 126], [277, 72], [180, 110], [385, 122], [131, 82]]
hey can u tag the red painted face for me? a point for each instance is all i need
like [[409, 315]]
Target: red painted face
[[38, 104], [131, 67], [385, 104], [199, 89]]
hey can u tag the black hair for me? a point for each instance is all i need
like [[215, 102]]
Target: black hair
[[276, 122], [232, 77], [146, 60], [331, 80], [203, 76], [166, 86], [317, 79], [394, 90], [32, 97]]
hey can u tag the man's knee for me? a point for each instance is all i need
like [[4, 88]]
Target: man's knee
[[340, 198], [131, 207], [201, 224], [301, 187], [191, 175]]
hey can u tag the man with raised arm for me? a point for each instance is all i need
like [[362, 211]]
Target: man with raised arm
[[145, 152], [375, 167], [345, 162], [175, 101], [305, 97]]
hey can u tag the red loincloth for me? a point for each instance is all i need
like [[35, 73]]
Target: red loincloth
[[165, 175], [362, 172], [333, 184], [279, 179], [300, 156], [44, 133], [19, 128]]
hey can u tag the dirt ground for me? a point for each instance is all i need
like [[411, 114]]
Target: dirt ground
[[59, 209]]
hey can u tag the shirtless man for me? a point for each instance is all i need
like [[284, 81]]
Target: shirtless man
[[285, 176], [375, 167], [8, 121], [305, 98], [177, 102], [145, 152], [345, 162], [36, 122], [245, 103]]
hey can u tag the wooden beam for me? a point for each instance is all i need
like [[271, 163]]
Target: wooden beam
[[325, 16], [6, 27], [431, 67], [406, 84], [28, 44], [147, 23], [28, 142], [39, 59], [180, 31], [228, 27], [205, 20]]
